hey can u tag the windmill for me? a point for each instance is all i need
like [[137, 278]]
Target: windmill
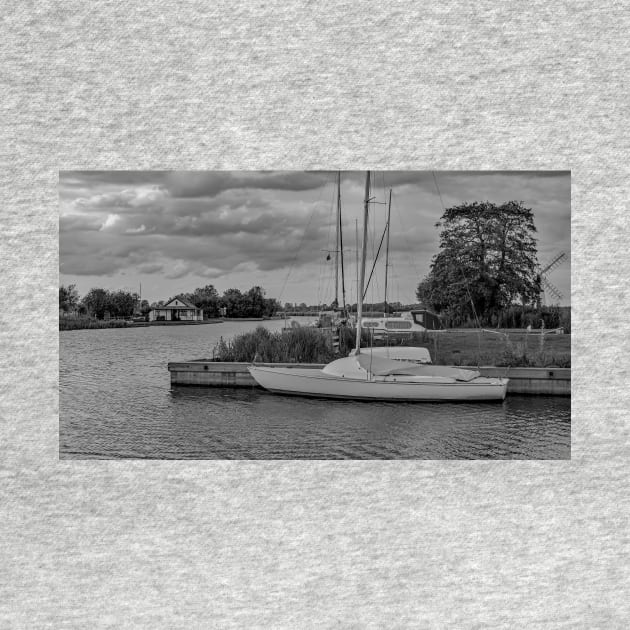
[[546, 287]]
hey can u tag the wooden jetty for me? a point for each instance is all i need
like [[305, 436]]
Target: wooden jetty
[[202, 373]]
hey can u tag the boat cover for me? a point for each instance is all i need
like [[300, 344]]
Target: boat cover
[[399, 353], [379, 366]]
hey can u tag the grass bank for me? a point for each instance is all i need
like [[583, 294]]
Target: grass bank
[[513, 348], [79, 323], [452, 347]]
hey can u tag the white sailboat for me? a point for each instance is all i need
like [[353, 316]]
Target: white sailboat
[[368, 375]]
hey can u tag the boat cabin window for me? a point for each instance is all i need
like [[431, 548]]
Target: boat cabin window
[[369, 324], [401, 325], [418, 318]]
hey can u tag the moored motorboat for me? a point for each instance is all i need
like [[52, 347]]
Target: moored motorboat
[[402, 324]]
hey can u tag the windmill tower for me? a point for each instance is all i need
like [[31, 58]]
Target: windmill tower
[[546, 286]]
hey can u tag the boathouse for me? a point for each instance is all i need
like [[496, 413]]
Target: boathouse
[[176, 310]]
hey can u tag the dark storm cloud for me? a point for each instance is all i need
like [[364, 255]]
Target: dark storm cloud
[[199, 184], [430, 180], [196, 183], [81, 179]]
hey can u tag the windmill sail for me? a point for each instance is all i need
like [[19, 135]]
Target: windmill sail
[[546, 286]]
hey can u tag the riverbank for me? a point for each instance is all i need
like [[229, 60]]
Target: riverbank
[[87, 323]]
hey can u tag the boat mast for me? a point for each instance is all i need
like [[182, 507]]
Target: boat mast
[[389, 211], [337, 239], [356, 255], [343, 277], [363, 257]]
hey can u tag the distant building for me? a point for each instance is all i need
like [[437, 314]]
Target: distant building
[[177, 310]]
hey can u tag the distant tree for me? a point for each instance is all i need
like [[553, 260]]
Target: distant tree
[[234, 303], [68, 298], [272, 306], [255, 302], [121, 303], [206, 298], [487, 261], [145, 307], [96, 302]]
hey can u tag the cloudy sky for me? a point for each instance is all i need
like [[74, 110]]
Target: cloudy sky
[[175, 231]]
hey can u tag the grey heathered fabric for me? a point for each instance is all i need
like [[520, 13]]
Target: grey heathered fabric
[[428, 544]]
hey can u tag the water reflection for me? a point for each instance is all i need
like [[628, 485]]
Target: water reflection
[[263, 425]]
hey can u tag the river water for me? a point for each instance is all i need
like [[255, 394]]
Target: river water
[[116, 401]]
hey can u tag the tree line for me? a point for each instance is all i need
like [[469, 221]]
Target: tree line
[[103, 303], [100, 303], [233, 302]]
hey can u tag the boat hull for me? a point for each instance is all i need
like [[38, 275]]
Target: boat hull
[[311, 382]]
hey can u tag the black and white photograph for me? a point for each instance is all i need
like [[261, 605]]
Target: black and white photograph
[[337, 314]]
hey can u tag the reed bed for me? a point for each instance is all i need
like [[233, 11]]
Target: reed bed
[[296, 345]]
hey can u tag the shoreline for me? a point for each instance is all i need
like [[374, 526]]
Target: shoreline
[[100, 324]]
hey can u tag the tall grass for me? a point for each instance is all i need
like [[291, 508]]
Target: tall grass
[[296, 345]]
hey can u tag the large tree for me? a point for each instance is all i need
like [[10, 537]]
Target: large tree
[[487, 261]]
